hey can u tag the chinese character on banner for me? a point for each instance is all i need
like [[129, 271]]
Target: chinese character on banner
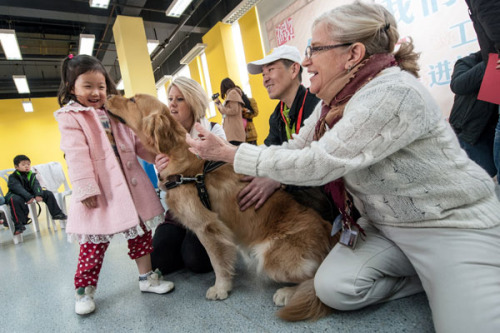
[[284, 32], [440, 73]]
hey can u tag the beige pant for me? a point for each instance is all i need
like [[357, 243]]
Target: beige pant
[[459, 270]]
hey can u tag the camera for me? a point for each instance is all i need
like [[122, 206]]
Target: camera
[[215, 96]]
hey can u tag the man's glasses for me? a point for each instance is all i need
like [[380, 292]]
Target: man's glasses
[[310, 50]]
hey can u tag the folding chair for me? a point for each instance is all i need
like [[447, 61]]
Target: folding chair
[[51, 176]]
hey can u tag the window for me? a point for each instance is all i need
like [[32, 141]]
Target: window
[[211, 106], [240, 57]]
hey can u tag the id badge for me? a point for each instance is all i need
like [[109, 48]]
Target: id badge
[[337, 225], [349, 238]]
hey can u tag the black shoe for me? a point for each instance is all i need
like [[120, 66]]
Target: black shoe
[[22, 228], [60, 216], [28, 221]]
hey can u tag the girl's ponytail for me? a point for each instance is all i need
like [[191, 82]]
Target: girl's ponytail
[[63, 93]]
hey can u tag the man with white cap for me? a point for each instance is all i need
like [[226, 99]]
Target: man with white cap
[[282, 77]]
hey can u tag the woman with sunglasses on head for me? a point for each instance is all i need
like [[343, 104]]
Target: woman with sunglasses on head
[[417, 213]]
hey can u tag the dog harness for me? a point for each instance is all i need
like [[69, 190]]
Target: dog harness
[[176, 180]]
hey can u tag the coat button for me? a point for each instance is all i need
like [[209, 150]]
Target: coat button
[[133, 181], [122, 146], [129, 165]]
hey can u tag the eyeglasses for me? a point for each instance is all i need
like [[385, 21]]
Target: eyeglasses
[[310, 50]]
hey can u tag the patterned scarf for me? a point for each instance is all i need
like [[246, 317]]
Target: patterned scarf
[[345, 87]]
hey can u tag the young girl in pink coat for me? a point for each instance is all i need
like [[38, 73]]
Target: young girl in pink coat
[[111, 192]]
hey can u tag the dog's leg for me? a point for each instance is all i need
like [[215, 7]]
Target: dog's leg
[[286, 259], [283, 295], [218, 241]]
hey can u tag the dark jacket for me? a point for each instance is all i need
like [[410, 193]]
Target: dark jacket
[[277, 131], [470, 117], [485, 15], [23, 184]]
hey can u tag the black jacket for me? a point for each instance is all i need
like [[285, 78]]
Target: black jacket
[[485, 15], [470, 117], [23, 184], [277, 131]]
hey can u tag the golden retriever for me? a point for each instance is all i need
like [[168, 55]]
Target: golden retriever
[[288, 241]]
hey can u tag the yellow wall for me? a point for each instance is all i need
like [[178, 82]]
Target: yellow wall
[[34, 134], [222, 63], [221, 57], [133, 57], [254, 50], [196, 70]]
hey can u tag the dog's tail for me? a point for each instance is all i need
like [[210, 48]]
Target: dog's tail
[[304, 304]]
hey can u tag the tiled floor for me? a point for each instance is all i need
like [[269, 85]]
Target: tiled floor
[[36, 295]]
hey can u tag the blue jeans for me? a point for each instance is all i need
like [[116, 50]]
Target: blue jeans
[[496, 148]]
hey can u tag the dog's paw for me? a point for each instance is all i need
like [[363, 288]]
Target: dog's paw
[[214, 293], [283, 295]]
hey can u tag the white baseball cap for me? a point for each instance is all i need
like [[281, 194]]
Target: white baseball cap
[[282, 52]]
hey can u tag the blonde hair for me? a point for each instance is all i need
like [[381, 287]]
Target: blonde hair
[[194, 95], [374, 27]]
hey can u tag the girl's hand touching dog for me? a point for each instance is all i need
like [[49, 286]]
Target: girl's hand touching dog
[[161, 162]]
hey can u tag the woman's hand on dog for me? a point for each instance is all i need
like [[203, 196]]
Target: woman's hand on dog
[[90, 202], [256, 192], [210, 147], [161, 162]]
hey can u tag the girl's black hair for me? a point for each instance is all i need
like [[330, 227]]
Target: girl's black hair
[[245, 99], [227, 84], [72, 67]]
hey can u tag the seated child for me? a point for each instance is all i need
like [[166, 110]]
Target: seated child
[[24, 189]]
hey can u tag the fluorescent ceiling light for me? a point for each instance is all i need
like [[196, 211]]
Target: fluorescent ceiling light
[[239, 11], [177, 7], [21, 84], [163, 80], [9, 43], [99, 3], [86, 45], [27, 106], [152, 44], [195, 51]]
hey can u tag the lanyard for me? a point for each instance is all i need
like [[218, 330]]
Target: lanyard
[[301, 111]]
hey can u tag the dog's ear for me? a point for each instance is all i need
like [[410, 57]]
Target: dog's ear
[[158, 132], [156, 106]]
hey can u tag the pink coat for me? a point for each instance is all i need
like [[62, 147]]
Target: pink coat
[[124, 191]]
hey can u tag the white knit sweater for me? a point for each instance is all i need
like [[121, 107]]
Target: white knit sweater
[[400, 159]]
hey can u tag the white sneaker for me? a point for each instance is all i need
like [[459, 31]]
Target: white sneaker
[[85, 300], [153, 284]]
